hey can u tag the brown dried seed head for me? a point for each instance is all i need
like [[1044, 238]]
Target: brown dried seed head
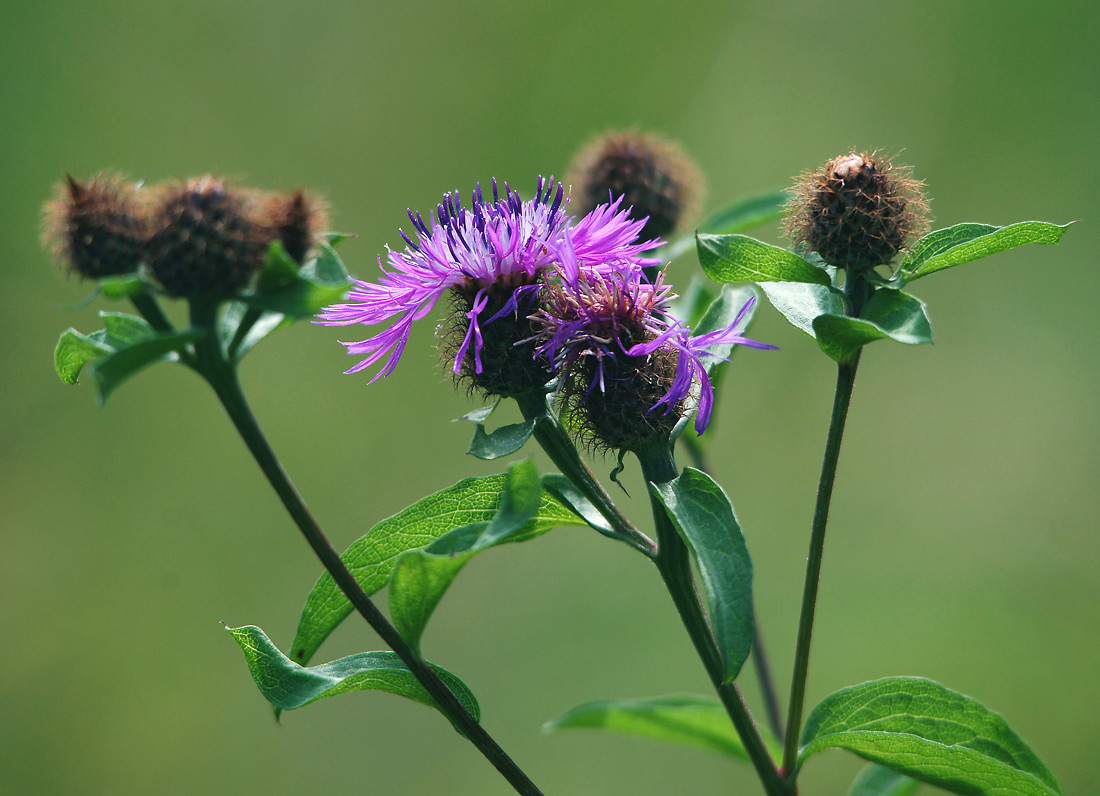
[[96, 228], [208, 239], [297, 219], [857, 212], [652, 175]]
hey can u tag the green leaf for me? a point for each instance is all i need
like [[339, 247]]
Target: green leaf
[[889, 313], [801, 303], [336, 238], [287, 686], [422, 577], [503, 441], [930, 733], [480, 415], [372, 558], [962, 243], [244, 327], [73, 351], [678, 718], [113, 369], [736, 258], [301, 298], [876, 780], [121, 330], [124, 286], [328, 268], [565, 491], [695, 301], [704, 517], [738, 216], [279, 269]]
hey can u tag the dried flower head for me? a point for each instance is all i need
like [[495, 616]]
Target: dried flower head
[[298, 219], [857, 212], [96, 228], [491, 257], [652, 176], [208, 239], [621, 355]]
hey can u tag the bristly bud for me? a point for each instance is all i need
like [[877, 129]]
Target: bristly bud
[[298, 220], [652, 175], [97, 228], [857, 212], [208, 239], [505, 366]]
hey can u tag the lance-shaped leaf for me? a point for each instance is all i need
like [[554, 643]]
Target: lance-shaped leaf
[[703, 516], [720, 315], [876, 780], [287, 686], [801, 303], [685, 719], [889, 313], [500, 442], [421, 577], [371, 558], [737, 258], [930, 733], [962, 243], [739, 216], [113, 369]]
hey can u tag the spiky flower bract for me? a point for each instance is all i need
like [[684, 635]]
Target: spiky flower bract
[[652, 176], [96, 228], [209, 239], [491, 256], [858, 211], [621, 355]]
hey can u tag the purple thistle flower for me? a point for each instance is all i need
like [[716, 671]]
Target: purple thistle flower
[[611, 320], [505, 244]]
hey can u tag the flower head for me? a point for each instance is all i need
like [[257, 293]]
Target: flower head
[[491, 257], [621, 354], [858, 211]]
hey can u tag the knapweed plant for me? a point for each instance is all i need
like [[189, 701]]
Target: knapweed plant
[[559, 302]]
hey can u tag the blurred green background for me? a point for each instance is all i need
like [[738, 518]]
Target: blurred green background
[[963, 544]]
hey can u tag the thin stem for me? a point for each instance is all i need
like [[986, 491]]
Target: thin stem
[[674, 564], [698, 456], [223, 378], [845, 381], [555, 440]]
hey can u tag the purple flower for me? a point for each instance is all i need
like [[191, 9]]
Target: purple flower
[[612, 320], [505, 244]]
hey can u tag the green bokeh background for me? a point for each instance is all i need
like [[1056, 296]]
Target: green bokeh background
[[963, 544]]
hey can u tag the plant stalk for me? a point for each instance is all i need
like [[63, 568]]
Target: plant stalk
[[845, 381], [554, 439], [223, 378], [674, 564]]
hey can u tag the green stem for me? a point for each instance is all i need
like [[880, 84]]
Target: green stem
[[759, 654], [845, 381], [674, 564], [223, 378], [554, 439]]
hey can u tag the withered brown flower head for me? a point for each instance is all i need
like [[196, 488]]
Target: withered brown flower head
[[96, 228], [652, 175]]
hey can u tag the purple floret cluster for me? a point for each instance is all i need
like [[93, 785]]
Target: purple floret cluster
[[584, 275]]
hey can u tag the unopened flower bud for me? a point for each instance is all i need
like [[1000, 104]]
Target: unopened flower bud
[[208, 239], [97, 228], [857, 212], [651, 175]]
